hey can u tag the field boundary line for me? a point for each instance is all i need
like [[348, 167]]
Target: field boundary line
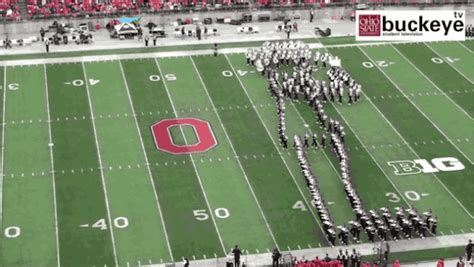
[[194, 164], [417, 108], [52, 166], [449, 63], [2, 173], [152, 182], [235, 153], [409, 146], [104, 187], [429, 80], [467, 48], [310, 206], [138, 56]]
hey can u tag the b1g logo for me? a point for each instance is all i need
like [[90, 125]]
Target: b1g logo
[[369, 25], [417, 166], [164, 140]]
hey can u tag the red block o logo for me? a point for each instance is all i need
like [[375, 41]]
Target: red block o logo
[[164, 141]]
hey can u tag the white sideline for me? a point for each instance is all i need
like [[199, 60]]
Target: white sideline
[[403, 139], [3, 145], [365, 249], [53, 179]]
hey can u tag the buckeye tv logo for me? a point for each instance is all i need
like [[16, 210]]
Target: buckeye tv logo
[[369, 25], [413, 25]]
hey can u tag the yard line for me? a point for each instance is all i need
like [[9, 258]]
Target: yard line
[[419, 110], [449, 63], [104, 187], [386, 176], [276, 147], [52, 167], [403, 139], [235, 153], [194, 164], [428, 79], [467, 48], [3, 143], [146, 161]]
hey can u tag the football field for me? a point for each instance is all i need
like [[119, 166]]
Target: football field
[[86, 180]]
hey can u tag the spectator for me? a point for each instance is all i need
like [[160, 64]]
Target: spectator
[[237, 252], [460, 262], [469, 251], [276, 255], [440, 263], [215, 49], [186, 262], [311, 15], [396, 263], [46, 43], [42, 33]]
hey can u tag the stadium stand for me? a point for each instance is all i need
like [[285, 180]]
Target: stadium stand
[[34, 9], [9, 9]]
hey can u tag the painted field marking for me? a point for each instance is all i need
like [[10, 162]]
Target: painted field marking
[[235, 153], [194, 164], [150, 175], [450, 64], [467, 48], [3, 143], [53, 179], [104, 187], [414, 152]]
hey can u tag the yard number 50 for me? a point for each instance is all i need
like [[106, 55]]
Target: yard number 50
[[202, 215]]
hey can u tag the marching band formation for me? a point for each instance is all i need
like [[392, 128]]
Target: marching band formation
[[407, 223]]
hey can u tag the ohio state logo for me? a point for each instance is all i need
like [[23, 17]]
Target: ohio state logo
[[369, 25], [164, 141]]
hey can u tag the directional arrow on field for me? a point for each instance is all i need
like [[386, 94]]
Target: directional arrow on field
[[94, 82]]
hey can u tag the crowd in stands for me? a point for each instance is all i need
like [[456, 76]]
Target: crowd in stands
[[344, 259], [9, 9], [73, 8]]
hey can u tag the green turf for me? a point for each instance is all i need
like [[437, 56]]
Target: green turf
[[130, 191], [28, 197], [80, 196], [442, 75], [224, 181], [444, 114], [177, 185], [411, 109]]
